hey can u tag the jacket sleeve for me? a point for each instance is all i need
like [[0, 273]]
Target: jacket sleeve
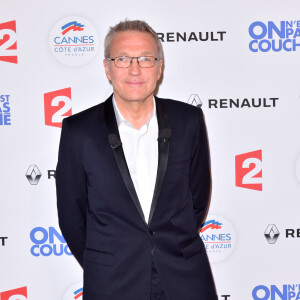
[[71, 193], [200, 180]]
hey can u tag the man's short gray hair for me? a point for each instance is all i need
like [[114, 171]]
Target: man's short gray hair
[[127, 25]]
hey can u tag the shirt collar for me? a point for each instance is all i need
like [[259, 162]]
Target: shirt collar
[[121, 119]]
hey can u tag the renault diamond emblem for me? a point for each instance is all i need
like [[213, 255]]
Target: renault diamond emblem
[[272, 233], [33, 174], [195, 100]]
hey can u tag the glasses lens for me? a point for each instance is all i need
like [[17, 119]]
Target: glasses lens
[[146, 61], [122, 61], [125, 61]]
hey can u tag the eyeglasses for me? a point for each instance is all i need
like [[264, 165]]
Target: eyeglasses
[[143, 61]]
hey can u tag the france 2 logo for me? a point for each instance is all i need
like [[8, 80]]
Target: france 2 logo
[[16, 294], [8, 42], [58, 105], [248, 170]]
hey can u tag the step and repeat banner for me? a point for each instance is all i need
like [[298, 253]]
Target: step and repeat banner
[[237, 60]]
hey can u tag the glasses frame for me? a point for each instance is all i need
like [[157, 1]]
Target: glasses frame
[[131, 58]]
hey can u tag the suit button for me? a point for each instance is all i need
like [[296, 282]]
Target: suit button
[[150, 232]]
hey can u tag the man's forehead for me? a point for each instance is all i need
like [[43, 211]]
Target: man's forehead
[[133, 33], [133, 40], [141, 53]]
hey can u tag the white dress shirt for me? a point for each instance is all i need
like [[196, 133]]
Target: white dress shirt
[[141, 153]]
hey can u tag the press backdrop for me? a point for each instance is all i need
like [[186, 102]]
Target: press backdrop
[[238, 60]]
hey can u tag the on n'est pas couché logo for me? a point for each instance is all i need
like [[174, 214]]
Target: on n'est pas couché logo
[[15, 294], [219, 238], [271, 36], [58, 105], [73, 41], [248, 170], [5, 111], [276, 292], [8, 42], [48, 241]]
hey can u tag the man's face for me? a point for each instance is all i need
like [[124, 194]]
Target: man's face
[[133, 83]]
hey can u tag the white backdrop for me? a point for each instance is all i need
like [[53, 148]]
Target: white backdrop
[[258, 188]]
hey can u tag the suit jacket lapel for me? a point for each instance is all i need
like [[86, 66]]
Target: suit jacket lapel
[[164, 134], [115, 142]]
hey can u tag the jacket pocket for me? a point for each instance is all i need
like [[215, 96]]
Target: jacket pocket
[[98, 257], [193, 248]]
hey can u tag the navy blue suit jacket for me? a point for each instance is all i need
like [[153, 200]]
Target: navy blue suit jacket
[[102, 220]]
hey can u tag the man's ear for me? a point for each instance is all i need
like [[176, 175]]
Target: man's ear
[[106, 67]]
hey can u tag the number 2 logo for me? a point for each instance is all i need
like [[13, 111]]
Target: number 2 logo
[[248, 170], [8, 42], [58, 105], [16, 294]]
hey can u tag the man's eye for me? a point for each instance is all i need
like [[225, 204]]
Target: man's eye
[[121, 59], [145, 59]]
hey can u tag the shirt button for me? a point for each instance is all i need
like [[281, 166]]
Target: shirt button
[[150, 232]]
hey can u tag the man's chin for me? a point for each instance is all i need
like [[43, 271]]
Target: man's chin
[[135, 97]]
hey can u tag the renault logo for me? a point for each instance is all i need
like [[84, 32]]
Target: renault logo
[[33, 174], [272, 233], [195, 100]]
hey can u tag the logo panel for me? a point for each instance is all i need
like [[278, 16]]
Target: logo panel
[[75, 292], [235, 103], [16, 294], [272, 233], [8, 42], [248, 170], [276, 37], [5, 113], [58, 105], [191, 36], [48, 242], [219, 238], [243, 103], [195, 100], [274, 292], [73, 41], [33, 174]]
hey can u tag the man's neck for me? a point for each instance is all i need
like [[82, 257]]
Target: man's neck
[[136, 112]]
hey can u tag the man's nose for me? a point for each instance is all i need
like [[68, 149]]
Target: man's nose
[[134, 68]]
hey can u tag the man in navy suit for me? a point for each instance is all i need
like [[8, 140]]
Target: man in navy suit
[[133, 182]]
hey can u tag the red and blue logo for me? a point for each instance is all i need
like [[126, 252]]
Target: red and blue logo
[[211, 224], [72, 26], [73, 41], [78, 293], [219, 238]]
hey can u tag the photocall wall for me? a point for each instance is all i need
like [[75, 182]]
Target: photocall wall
[[237, 60]]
